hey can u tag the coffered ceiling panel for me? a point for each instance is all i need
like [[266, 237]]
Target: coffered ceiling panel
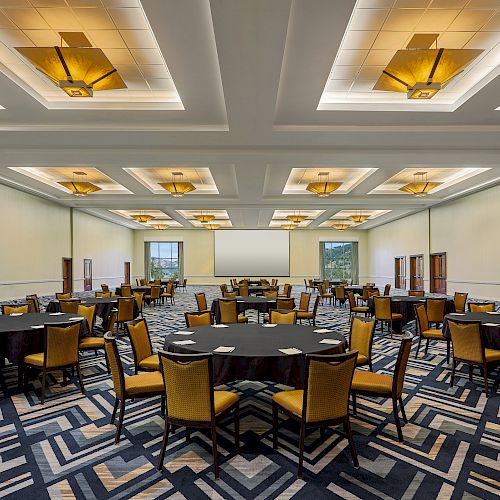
[[346, 214], [159, 218], [221, 217], [280, 217]]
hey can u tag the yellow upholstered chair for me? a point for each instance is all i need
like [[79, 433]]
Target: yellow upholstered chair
[[288, 304], [143, 385], [468, 347], [154, 294], [201, 301], [243, 291], [157, 281], [169, 293], [103, 295], [223, 288], [271, 294], [435, 310], [325, 294], [340, 295], [105, 288], [309, 315], [416, 293], [425, 332], [183, 284], [387, 289], [139, 300], [198, 319], [113, 317], [33, 303], [283, 318], [460, 301], [383, 312], [323, 403], [142, 349], [143, 282], [365, 294], [229, 295], [354, 309], [92, 342], [380, 385], [303, 311], [126, 290], [88, 312], [15, 309], [69, 306], [63, 295], [287, 291], [274, 282], [60, 352], [192, 401], [361, 340], [125, 310], [482, 307], [229, 312]]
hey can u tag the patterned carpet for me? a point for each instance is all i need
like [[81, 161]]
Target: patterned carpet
[[65, 448]]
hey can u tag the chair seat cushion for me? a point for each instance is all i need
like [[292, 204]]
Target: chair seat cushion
[[166, 295], [144, 383], [397, 316], [361, 359], [290, 400], [242, 319], [376, 383], [492, 355], [91, 343], [34, 359], [150, 363], [224, 400], [304, 315], [360, 309], [433, 334]]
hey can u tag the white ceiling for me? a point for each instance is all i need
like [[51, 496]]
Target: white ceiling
[[250, 75]]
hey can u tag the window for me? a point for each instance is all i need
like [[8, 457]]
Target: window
[[339, 261], [163, 259]]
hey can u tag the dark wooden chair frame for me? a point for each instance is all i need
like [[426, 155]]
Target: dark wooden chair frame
[[197, 313], [364, 320], [420, 336], [382, 321], [134, 352]]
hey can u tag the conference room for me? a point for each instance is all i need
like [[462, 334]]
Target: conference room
[[249, 249]]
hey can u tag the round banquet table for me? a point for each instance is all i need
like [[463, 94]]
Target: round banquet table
[[491, 334], [256, 355], [18, 338], [259, 304], [254, 289], [356, 289]]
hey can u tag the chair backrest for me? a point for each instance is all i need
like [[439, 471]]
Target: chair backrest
[[102, 295], [274, 282], [88, 312], [326, 283], [223, 287], [416, 293], [184, 283], [33, 303], [421, 317], [228, 311], [157, 281], [229, 295], [61, 343], [361, 335], [201, 301], [285, 304], [188, 386], [198, 318], [373, 293], [339, 292], [370, 285], [315, 307], [305, 298], [104, 288], [15, 309], [69, 306], [282, 318], [112, 319], [271, 294], [328, 380], [171, 288], [435, 309], [143, 282], [63, 295], [398, 378], [310, 283], [460, 300], [155, 291], [365, 294], [140, 340], [467, 340], [387, 289], [126, 291], [139, 299], [243, 291], [482, 307], [115, 363], [352, 300], [126, 308], [383, 308], [287, 289]]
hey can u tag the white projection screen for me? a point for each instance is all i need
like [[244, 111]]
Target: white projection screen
[[252, 253]]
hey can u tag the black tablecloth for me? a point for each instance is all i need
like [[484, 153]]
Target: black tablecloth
[[259, 304], [491, 333], [254, 289], [256, 355], [18, 339], [356, 289], [251, 282], [165, 282]]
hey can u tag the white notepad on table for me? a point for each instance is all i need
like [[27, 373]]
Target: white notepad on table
[[322, 330], [183, 333], [269, 325], [223, 348], [491, 312], [290, 351], [491, 324], [184, 342], [457, 314], [15, 314], [37, 326], [220, 326], [330, 341], [76, 318], [56, 314]]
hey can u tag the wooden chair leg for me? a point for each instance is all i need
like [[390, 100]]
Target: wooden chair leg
[[426, 346], [214, 450], [120, 421], [42, 399], [402, 406], [163, 445], [354, 409], [275, 426], [113, 415], [471, 367], [452, 378], [80, 379], [188, 434], [348, 431], [396, 419], [448, 351], [237, 426], [65, 377], [485, 375], [301, 449], [418, 346], [162, 406]]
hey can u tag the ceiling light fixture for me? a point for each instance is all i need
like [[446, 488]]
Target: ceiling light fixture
[[323, 187], [78, 69], [422, 72], [159, 227], [211, 227], [341, 225], [142, 217], [296, 218], [420, 186], [359, 217], [178, 187], [289, 227], [79, 186], [204, 217]]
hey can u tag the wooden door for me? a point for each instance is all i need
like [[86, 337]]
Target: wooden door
[[400, 272], [438, 272], [87, 274], [126, 272], [416, 272], [67, 275]]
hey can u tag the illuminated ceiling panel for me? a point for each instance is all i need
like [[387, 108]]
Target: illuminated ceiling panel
[[221, 217], [448, 177], [150, 177], [280, 217], [159, 217], [52, 175], [299, 178], [378, 28], [120, 29], [345, 214]]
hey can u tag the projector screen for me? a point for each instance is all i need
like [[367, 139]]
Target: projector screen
[[252, 253]]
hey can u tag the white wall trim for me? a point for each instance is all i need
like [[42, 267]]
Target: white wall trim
[[29, 282]]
